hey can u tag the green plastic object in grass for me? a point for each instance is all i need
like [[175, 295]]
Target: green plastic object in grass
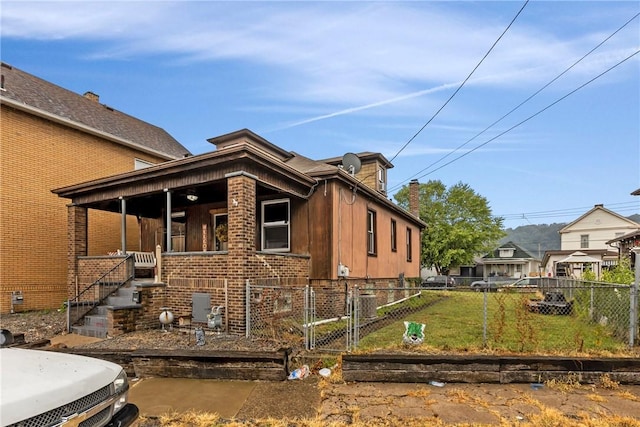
[[413, 333]]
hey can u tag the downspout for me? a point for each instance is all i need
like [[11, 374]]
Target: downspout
[[123, 225]]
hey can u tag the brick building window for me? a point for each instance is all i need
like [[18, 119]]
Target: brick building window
[[276, 225]]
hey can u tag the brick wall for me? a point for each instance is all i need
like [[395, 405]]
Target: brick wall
[[241, 203], [186, 274], [38, 156]]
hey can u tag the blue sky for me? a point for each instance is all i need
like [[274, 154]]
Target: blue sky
[[326, 78]]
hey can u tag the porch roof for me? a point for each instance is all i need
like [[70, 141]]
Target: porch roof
[[205, 174], [275, 170]]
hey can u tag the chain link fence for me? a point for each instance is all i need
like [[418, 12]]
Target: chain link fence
[[546, 315]]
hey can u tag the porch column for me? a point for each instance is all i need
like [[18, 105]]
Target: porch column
[[168, 221], [241, 205], [76, 244], [123, 225]]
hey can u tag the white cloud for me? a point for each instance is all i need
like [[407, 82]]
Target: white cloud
[[349, 57]]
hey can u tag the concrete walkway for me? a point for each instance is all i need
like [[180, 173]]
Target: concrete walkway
[[158, 396]]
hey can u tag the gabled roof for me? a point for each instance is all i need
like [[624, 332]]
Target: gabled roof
[[518, 252], [596, 208], [26, 92]]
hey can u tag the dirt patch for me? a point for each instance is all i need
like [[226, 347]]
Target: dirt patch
[[35, 325], [292, 399]]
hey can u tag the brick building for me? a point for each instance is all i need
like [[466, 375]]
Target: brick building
[[248, 212], [52, 137]]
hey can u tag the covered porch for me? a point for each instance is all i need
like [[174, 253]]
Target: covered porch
[[214, 222]]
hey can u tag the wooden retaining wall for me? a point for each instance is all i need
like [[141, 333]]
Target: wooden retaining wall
[[485, 369], [228, 365]]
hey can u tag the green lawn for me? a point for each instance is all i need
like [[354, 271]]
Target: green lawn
[[456, 323]]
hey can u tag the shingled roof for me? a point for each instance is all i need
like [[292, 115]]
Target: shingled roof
[[24, 91], [518, 252]]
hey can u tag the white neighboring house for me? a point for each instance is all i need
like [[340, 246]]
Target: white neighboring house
[[509, 261], [583, 243]]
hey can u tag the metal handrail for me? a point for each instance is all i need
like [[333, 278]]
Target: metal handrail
[[85, 301]]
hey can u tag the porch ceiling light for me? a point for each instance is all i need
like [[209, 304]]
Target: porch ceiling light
[[192, 196]]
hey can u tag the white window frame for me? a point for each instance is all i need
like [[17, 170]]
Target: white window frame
[[584, 241], [264, 226], [141, 164], [382, 179], [371, 232]]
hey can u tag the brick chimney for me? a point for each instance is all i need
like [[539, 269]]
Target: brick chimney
[[414, 197], [92, 96]]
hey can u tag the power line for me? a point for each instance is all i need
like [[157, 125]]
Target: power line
[[620, 206], [531, 116], [570, 210], [461, 85], [525, 101]]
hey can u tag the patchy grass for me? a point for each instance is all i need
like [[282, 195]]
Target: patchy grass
[[546, 417], [456, 323]]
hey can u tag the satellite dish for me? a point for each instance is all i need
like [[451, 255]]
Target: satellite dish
[[351, 162]]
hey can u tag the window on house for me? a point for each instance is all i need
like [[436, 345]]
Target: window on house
[[394, 239], [408, 244], [371, 232], [141, 164], [221, 231], [382, 179], [584, 241], [275, 225], [507, 252]]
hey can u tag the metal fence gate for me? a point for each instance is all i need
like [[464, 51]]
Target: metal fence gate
[[328, 324]]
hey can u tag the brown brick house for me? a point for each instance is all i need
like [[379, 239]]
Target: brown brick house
[[251, 212], [52, 137]]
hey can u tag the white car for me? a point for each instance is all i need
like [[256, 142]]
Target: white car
[[50, 389]]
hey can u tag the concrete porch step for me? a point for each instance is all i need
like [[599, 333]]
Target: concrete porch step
[[96, 320], [95, 323], [119, 301], [90, 331]]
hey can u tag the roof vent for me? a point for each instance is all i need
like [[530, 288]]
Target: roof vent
[[92, 96]]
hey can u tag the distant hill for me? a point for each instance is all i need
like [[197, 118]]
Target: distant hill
[[536, 239]]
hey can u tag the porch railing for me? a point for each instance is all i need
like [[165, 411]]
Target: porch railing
[[98, 291]]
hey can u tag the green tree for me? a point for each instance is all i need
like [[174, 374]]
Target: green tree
[[621, 273], [460, 225]]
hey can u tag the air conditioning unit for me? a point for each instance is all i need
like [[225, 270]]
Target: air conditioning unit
[[343, 270]]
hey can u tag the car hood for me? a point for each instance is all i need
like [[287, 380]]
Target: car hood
[[35, 381]]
